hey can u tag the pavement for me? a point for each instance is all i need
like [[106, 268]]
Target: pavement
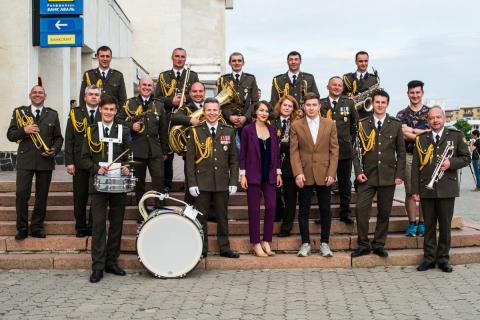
[[375, 293]]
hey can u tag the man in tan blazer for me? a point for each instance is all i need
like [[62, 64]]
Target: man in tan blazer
[[314, 158]]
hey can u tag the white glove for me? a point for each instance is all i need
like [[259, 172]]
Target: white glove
[[232, 190], [194, 191]]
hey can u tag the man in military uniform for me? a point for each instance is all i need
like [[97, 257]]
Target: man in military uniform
[[109, 80], [245, 85], [169, 87], [379, 168], [341, 110], [360, 80], [95, 157], [145, 117], [294, 82], [36, 129], [414, 123], [438, 203], [78, 121], [212, 170]]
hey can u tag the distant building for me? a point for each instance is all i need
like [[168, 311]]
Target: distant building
[[467, 113]]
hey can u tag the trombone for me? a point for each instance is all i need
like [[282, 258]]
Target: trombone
[[23, 121], [182, 99]]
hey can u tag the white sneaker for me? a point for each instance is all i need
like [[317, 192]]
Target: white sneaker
[[325, 250], [305, 250]]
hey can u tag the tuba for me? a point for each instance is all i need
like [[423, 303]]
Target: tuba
[[177, 137]]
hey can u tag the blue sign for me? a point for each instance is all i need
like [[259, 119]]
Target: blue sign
[[61, 32], [61, 7]]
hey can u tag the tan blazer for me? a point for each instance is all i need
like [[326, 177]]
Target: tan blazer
[[315, 161]]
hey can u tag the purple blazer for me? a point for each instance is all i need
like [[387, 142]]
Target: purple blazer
[[250, 160]]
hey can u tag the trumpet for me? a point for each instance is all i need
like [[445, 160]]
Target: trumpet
[[23, 121], [438, 172]]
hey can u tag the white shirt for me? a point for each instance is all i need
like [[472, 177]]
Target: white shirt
[[198, 104], [212, 126], [33, 109], [434, 134], [175, 71], [359, 74], [94, 110], [235, 75], [291, 74], [314, 125], [144, 99], [106, 71], [109, 126], [331, 100], [283, 118], [375, 119]]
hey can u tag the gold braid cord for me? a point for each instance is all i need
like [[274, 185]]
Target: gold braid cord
[[23, 121], [329, 114], [281, 93], [95, 147], [167, 92], [99, 84], [368, 141], [79, 126], [136, 113], [352, 87], [205, 150], [425, 156], [87, 79]]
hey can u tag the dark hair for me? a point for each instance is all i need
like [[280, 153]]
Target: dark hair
[[294, 53], [72, 101], [211, 100], [181, 49], [258, 104], [415, 83], [235, 54], [476, 132], [359, 53], [107, 99], [381, 93], [104, 48], [311, 95], [335, 77]]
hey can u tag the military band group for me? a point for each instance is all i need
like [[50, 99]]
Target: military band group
[[284, 150]]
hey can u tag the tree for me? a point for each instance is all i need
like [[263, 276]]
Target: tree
[[464, 127]]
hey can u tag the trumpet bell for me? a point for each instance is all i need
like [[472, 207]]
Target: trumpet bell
[[228, 95], [364, 105]]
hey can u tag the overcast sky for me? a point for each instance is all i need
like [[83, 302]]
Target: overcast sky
[[436, 41]]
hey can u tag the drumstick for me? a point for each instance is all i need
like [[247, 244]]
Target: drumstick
[[121, 155], [125, 166]]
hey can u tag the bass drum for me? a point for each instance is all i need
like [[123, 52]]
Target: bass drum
[[169, 245]]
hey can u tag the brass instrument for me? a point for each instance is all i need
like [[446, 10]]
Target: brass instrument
[[303, 91], [438, 172], [177, 137], [363, 100], [182, 99], [23, 121], [139, 116]]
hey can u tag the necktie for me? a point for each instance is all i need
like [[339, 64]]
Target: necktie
[[437, 139], [178, 76], [105, 132], [200, 106], [37, 114], [103, 75], [145, 104], [213, 132], [361, 77], [294, 79], [284, 125], [379, 125], [92, 116], [334, 104], [237, 78]]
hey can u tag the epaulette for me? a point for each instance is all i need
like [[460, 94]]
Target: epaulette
[[393, 118], [93, 125], [307, 74], [248, 74], [50, 109], [452, 128], [364, 118], [281, 74], [226, 125]]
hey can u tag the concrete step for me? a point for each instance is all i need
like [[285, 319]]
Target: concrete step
[[409, 257], [465, 237], [236, 227]]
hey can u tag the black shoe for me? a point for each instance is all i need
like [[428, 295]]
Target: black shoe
[[284, 234], [360, 252], [229, 254], [347, 219], [21, 235], [318, 221], [115, 269], [96, 276], [381, 252], [445, 267], [89, 232], [81, 233], [39, 234], [426, 266]]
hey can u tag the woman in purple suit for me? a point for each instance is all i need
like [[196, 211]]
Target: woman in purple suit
[[260, 174]]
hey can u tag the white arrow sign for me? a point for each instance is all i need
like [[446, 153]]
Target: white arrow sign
[[59, 25]]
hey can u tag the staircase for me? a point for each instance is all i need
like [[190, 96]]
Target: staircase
[[62, 250]]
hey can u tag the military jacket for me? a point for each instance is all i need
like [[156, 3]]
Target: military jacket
[[305, 83], [218, 171], [182, 116], [350, 81], [28, 156], [152, 142], [346, 118], [247, 90], [448, 185], [90, 160], [74, 138], [113, 85], [387, 159], [167, 86], [284, 146]]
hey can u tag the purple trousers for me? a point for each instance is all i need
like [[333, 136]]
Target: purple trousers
[[253, 197]]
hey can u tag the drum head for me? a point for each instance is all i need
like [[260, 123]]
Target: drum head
[[169, 245]]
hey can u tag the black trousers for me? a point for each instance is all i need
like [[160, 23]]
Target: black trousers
[[155, 167], [286, 203], [106, 252], [23, 191], [344, 172], [218, 202], [305, 199], [437, 210], [168, 171], [80, 199], [365, 196]]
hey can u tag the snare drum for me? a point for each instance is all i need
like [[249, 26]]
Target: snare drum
[[169, 244], [108, 184]]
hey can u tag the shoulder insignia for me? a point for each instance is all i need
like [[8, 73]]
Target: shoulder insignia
[[307, 74], [50, 109], [452, 128], [279, 75], [249, 74]]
